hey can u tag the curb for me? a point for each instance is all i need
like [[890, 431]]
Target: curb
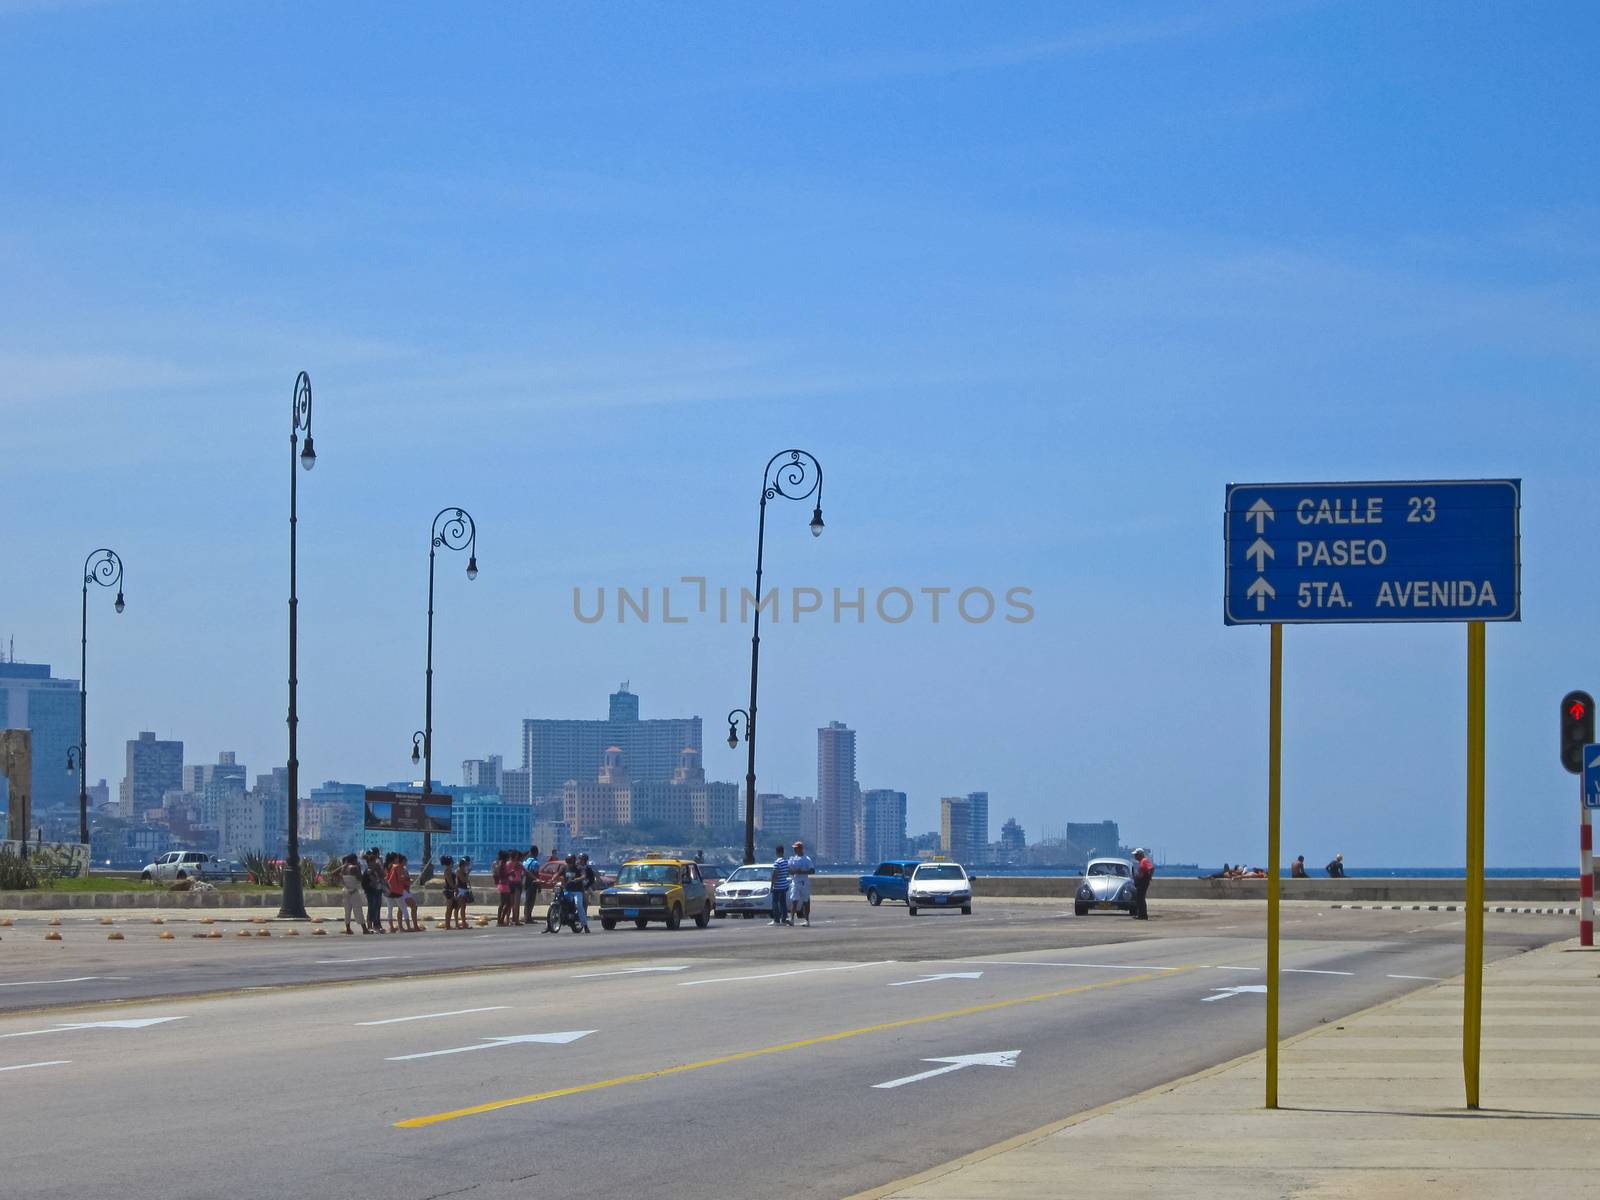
[[1496, 908]]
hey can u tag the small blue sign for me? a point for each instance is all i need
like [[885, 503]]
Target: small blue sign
[[1431, 550], [1591, 776]]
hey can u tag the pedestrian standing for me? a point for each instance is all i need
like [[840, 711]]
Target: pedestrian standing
[[587, 879], [354, 901], [514, 880], [447, 877], [502, 888], [375, 886], [780, 887], [801, 868], [530, 884], [1144, 870], [463, 890]]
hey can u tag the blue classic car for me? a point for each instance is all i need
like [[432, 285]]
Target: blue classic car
[[889, 881]]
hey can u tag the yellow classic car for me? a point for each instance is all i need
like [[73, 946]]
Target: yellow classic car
[[657, 888]]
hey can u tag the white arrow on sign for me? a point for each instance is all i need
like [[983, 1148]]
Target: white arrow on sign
[[134, 1023], [1260, 512], [554, 1039], [630, 971], [1260, 551], [1224, 993], [936, 978], [1259, 591], [995, 1058]]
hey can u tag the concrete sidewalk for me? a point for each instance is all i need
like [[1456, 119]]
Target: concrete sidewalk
[[1372, 1107]]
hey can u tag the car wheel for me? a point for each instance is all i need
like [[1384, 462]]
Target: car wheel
[[873, 898], [675, 917], [1080, 910], [704, 919], [747, 916], [640, 922], [146, 877], [608, 923], [912, 909], [721, 915], [966, 910]]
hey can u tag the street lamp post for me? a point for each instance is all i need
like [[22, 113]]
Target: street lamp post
[[105, 568], [293, 903], [798, 476], [459, 532]]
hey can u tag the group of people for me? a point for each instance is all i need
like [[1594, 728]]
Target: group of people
[[371, 880], [1335, 867], [791, 886], [378, 897]]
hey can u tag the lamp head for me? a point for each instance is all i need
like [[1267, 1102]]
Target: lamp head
[[472, 567], [308, 456], [733, 737], [416, 754], [119, 604], [816, 521]]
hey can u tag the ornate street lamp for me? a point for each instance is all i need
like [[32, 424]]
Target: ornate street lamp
[[105, 568], [794, 475], [459, 532], [294, 901]]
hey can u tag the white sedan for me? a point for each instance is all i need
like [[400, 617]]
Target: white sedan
[[939, 885], [746, 892]]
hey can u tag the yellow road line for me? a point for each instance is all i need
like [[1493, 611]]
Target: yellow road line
[[743, 1055]]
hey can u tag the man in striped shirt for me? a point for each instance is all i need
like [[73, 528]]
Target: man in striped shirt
[[780, 887]]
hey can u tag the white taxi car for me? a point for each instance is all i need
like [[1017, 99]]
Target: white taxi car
[[937, 885]]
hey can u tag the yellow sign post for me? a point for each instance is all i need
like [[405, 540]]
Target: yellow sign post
[[1274, 805]]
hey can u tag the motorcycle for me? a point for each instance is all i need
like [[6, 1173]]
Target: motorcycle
[[563, 911]]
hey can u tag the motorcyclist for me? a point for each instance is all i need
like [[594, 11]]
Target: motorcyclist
[[568, 901], [587, 883]]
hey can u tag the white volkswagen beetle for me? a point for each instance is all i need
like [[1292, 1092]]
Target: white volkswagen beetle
[[1107, 885]]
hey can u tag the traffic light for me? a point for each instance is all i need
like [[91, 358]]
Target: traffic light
[[1577, 729]]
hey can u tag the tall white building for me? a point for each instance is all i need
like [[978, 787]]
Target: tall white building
[[883, 825], [838, 795]]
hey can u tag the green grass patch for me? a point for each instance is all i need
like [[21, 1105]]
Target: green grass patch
[[105, 883]]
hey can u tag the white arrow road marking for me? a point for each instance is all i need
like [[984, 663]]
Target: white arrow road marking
[[936, 978], [56, 1062], [74, 979], [995, 1058], [554, 1039], [135, 1023], [1024, 962], [323, 962], [783, 974], [1224, 993], [1260, 551], [1429, 978], [459, 1012], [1259, 591], [630, 971], [1260, 512]]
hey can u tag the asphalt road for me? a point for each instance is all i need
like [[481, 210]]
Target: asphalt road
[[736, 1060]]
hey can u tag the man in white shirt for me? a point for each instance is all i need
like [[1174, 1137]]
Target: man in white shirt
[[801, 869]]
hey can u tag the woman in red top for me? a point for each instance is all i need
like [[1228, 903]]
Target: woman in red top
[[502, 886], [514, 874]]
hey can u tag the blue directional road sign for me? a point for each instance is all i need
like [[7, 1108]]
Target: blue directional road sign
[[1591, 776], [1433, 550]]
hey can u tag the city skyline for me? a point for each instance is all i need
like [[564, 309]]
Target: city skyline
[[1029, 332]]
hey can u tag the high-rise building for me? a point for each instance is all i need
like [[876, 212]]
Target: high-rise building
[[215, 784], [670, 807], [271, 794], [515, 787], [838, 795], [883, 824], [1090, 838], [1013, 841], [30, 698], [978, 814], [154, 768], [784, 819], [484, 774], [482, 824], [955, 827], [555, 751], [334, 815]]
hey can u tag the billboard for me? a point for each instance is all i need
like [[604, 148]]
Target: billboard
[[405, 812]]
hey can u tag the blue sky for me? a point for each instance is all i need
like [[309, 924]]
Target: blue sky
[[1034, 282]]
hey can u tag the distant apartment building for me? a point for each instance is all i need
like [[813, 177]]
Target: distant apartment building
[[883, 824], [675, 806], [484, 774], [1090, 838], [482, 824], [215, 784], [964, 827], [154, 768], [333, 815], [784, 819], [516, 787], [32, 699], [556, 751], [838, 795], [1013, 841]]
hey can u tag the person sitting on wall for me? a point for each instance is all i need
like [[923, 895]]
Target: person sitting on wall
[[1297, 869], [1336, 867]]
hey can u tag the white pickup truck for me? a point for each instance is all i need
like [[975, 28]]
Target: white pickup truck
[[194, 864]]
